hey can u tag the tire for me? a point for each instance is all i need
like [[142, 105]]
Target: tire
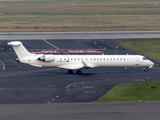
[[70, 71]]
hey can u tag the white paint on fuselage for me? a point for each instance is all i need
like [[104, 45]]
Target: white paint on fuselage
[[77, 62], [91, 60]]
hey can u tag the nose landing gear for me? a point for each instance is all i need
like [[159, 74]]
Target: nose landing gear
[[145, 69]]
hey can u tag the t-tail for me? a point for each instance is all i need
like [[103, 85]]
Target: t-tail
[[19, 49], [29, 58]]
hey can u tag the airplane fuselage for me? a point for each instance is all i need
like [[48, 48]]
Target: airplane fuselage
[[91, 60], [78, 62]]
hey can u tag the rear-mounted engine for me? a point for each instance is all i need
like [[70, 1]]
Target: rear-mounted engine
[[46, 58]]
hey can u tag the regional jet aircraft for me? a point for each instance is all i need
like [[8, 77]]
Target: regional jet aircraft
[[78, 62]]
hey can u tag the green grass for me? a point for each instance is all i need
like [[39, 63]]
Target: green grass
[[149, 48], [79, 15], [139, 91]]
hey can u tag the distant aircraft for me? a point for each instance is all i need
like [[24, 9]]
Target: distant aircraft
[[78, 62]]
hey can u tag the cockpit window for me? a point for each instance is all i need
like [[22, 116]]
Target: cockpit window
[[145, 58]]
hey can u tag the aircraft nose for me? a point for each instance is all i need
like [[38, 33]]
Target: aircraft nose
[[152, 63]]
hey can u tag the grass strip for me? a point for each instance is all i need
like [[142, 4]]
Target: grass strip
[[149, 48], [138, 91], [79, 15]]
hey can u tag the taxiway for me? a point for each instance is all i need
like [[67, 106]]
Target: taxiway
[[23, 84]]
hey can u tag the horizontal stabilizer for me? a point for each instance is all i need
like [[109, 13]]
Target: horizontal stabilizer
[[15, 43]]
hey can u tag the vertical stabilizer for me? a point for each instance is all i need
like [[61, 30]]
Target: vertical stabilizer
[[20, 50]]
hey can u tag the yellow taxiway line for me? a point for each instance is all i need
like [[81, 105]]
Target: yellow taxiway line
[[21, 73], [55, 47]]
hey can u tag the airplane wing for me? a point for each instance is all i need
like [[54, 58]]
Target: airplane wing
[[83, 65], [36, 65]]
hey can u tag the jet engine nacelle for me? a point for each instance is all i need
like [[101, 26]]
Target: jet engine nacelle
[[47, 58]]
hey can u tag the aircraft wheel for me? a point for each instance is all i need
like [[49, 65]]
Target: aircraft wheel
[[70, 71], [78, 72], [145, 70]]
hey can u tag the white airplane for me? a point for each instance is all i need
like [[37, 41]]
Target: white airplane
[[78, 62]]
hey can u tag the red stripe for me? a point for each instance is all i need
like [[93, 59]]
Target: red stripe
[[84, 51], [52, 51]]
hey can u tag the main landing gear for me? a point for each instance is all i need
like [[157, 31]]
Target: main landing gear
[[77, 72], [70, 71]]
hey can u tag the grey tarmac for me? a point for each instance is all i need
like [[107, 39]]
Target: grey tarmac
[[82, 111], [79, 35], [28, 92]]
